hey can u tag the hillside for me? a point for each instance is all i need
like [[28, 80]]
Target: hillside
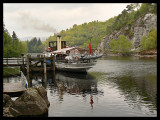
[[80, 35], [140, 28], [134, 22]]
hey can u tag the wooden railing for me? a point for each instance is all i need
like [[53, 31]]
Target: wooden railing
[[14, 61]]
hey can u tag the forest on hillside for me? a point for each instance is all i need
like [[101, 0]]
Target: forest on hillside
[[12, 46], [35, 46], [81, 35]]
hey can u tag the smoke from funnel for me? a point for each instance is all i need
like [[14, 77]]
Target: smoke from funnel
[[28, 22]]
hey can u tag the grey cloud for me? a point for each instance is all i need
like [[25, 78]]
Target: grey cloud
[[27, 21]]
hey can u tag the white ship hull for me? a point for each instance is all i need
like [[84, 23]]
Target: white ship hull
[[74, 67]]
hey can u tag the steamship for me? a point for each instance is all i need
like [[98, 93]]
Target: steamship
[[73, 59]]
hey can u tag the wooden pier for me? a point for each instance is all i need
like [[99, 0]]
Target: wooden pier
[[15, 89], [29, 64], [14, 61]]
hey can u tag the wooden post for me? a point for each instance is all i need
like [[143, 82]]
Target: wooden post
[[23, 60], [44, 62], [7, 60], [28, 63], [45, 81], [29, 81], [53, 63], [18, 60]]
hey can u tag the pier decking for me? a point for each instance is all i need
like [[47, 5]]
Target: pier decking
[[13, 87], [29, 63], [16, 88]]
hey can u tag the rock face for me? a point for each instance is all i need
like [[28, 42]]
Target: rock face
[[33, 101], [139, 29]]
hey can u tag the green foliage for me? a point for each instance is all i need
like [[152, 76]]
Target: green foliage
[[113, 45], [80, 35], [122, 45], [35, 46], [12, 47], [14, 36], [148, 8], [149, 42], [129, 15], [11, 71]]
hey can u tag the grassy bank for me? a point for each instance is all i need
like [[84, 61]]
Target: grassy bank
[[11, 71]]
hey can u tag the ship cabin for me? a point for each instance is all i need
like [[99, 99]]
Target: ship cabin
[[60, 50]]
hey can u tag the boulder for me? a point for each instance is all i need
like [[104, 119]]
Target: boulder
[[32, 102], [6, 98], [6, 112], [43, 93]]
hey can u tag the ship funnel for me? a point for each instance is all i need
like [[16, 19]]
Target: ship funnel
[[58, 42]]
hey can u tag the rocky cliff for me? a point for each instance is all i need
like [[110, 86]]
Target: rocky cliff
[[140, 28]]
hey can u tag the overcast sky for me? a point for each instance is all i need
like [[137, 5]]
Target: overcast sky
[[45, 19]]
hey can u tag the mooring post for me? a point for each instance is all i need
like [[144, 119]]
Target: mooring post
[[28, 63], [29, 81], [53, 63], [45, 81], [7, 60], [44, 65], [23, 60], [18, 60]]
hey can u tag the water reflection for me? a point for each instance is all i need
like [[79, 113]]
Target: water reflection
[[11, 79], [65, 83], [114, 87], [138, 92], [74, 84], [91, 101], [136, 80], [37, 79]]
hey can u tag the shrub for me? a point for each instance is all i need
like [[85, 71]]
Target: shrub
[[149, 42]]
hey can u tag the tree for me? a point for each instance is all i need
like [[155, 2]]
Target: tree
[[149, 42], [132, 6], [121, 45], [35, 46], [80, 34], [144, 8], [7, 43], [39, 42], [14, 36], [113, 45], [3, 27], [12, 48], [124, 45]]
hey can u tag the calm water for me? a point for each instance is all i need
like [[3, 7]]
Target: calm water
[[115, 87]]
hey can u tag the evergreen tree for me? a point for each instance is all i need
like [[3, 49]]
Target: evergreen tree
[[12, 48], [14, 36], [35, 46]]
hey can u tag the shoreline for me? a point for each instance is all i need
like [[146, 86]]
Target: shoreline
[[154, 56]]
